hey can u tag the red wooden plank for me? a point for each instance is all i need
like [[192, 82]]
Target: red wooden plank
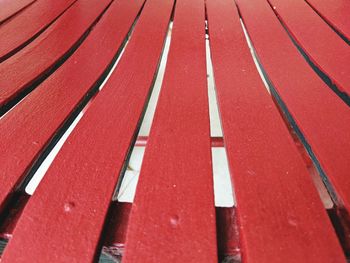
[[173, 216], [9, 8], [335, 12], [31, 125], [321, 44], [48, 49], [281, 217], [20, 30], [84, 174], [321, 116]]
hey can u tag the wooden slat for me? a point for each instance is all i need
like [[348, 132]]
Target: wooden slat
[[31, 124], [9, 8], [276, 198], [77, 190], [335, 12], [321, 44], [173, 216], [48, 49], [32, 21], [323, 119]]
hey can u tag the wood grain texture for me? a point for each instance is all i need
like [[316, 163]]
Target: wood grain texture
[[85, 172], [173, 216], [9, 8], [323, 119], [35, 60], [281, 217], [335, 13], [18, 31], [321, 44], [31, 125]]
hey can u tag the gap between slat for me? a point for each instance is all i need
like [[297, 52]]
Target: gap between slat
[[38, 171], [329, 24], [326, 79], [41, 78], [326, 191], [36, 35], [125, 190], [222, 182]]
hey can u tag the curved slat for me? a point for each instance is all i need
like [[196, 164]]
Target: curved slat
[[84, 174], [275, 195], [321, 44], [323, 119], [32, 21], [173, 216], [36, 60], [9, 8], [31, 124], [335, 12]]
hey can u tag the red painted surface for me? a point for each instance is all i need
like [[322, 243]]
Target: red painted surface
[[322, 45], [322, 117], [276, 198], [173, 216], [17, 31], [335, 12], [227, 230], [80, 183], [9, 8], [48, 48], [29, 126]]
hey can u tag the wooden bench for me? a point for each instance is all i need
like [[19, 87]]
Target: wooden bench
[[76, 78]]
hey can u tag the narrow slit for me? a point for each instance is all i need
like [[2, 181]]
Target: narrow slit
[[3, 244], [223, 190], [18, 12], [35, 36], [126, 186], [37, 173], [342, 36], [326, 79], [44, 75], [226, 216], [337, 214], [283, 108], [39, 167]]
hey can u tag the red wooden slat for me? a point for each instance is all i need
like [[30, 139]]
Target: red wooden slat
[[321, 116], [71, 203], [47, 49], [9, 8], [280, 214], [321, 44], [173, 216], [18, 31], [31, 124], [335, 12]]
